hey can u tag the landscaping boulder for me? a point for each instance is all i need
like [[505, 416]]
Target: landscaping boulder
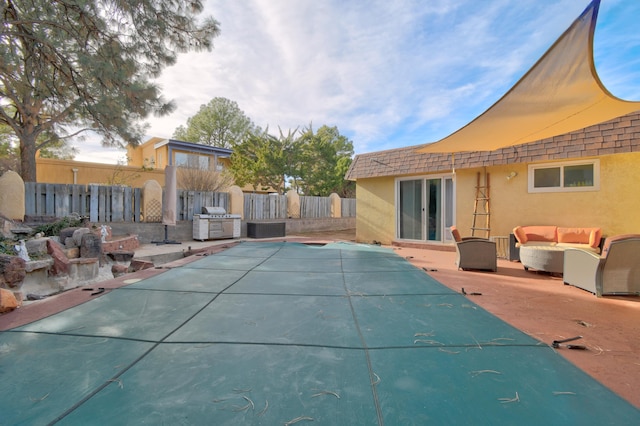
[[77, 236], [91, 246], [67, 233], [37, 246], [8, 301], [122, 256], [72, 253], [12, 271], [139, 265], [60, 260], [118, 270]]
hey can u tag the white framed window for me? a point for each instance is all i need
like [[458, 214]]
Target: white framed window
[[569, 176], [196, 161]]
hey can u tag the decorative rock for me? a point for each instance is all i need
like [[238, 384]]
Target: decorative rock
[[121, 255], [60, 260], [8, 301], [91, 246], [12, 270], [38, 264], [119, 270], [5, 228], [72, 253], [69, 242], [129, 243], [77, 236], [139, 265], [37, 246], [67, 233]]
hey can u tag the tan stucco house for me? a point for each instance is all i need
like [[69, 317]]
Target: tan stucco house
[[146, 161], [157, 153], [586, 178]]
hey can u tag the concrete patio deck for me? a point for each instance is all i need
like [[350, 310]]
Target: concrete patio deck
[[537, 304]]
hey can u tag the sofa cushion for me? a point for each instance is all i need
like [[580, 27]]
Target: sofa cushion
[[525, 234], [589, 236], [455, 234], [586, 247]]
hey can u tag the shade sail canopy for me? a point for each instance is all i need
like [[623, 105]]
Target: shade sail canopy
[[560, 94]]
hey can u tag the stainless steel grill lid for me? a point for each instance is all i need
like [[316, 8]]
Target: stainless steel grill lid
[[214, 210]]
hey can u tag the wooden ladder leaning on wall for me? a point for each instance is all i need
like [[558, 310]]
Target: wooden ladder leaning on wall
[[481, 208]]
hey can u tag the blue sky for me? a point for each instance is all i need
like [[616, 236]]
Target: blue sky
[[388, 74]]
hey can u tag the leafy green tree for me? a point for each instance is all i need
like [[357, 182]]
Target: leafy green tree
[[264, 160], [69, 66], [325, 156], [219, 123]]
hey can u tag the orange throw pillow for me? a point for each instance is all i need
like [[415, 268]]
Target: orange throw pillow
[[456, 234]]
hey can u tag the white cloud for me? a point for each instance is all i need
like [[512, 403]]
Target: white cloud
[[388, 74]]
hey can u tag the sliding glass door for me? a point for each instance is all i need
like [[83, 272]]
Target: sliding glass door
[[411, 220], [425, 208]]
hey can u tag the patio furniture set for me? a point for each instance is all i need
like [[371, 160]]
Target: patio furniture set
[[602, 267]]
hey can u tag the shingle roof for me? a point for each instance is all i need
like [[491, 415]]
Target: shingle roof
[[616, 136]]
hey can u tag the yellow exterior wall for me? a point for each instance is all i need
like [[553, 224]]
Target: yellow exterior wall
[[61, 171], [376, 217], [146, 155], [613, 208]]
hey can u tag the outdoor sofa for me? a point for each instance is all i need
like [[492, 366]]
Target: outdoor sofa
[[616, 272], [542, 247]]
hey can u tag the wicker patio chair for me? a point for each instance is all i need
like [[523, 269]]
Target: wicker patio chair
[[475, 253], [615, 272]]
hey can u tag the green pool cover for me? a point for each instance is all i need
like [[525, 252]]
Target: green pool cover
[[282, 334]]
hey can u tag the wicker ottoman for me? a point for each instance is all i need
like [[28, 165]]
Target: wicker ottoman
[[542, 258]]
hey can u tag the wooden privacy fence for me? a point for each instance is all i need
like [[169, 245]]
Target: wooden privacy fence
[[108, 203], [348, 207], [98, 203], [314, 207], [192, 202], [265, 206], [274, 206], [102, 203]]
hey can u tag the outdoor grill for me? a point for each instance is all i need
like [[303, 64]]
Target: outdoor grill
[[215, 223]]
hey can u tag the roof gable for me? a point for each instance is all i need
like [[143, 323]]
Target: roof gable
[[616, 136]]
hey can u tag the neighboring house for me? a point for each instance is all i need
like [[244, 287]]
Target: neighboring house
[[157, 153], [586, 178], [144, 162]]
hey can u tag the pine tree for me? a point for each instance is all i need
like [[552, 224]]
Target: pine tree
[[72, 66]]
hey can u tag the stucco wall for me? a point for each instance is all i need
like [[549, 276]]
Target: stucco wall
[[376, 216], [61, 171], [613, 207]]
